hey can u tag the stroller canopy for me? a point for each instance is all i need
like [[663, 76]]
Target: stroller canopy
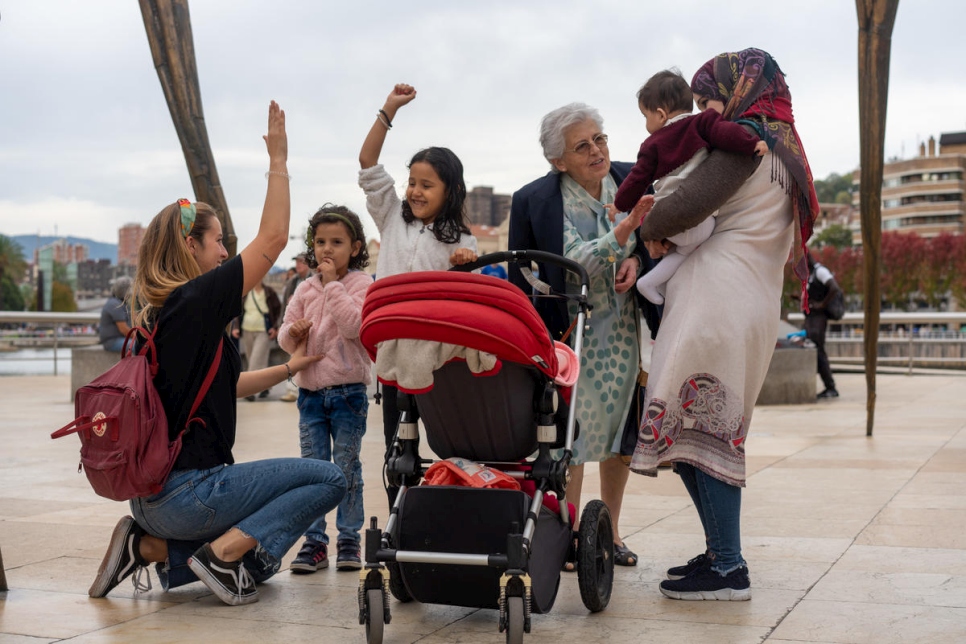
[[465, 309]]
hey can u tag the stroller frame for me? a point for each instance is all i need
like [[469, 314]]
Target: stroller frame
[[381, 574]]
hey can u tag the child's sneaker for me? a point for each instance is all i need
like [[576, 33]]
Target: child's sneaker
[[312, 557], [706, 584], [348, 558], [230, 581]]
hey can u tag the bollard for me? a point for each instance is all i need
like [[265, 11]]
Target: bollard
[[3, 575]]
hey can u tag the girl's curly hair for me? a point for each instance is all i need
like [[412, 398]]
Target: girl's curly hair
[[333, 214]]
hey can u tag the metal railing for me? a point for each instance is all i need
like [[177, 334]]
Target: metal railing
[[58, 322], [915, 333]]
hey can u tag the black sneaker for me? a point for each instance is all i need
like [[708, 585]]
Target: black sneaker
[[679, 572], [121, 560], [230, 581], [312, 557], [705, 584], [348, 558], [829, 393]]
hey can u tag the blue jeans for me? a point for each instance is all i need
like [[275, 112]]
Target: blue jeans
[[719, 508], [114, 345], [272, 501], [332, 422]]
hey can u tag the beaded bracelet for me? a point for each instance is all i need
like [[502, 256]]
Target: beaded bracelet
[[281, 174]]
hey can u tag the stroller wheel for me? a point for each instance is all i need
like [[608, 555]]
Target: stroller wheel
[[595, 556], [375, 616], [396, 584], [514, 618]]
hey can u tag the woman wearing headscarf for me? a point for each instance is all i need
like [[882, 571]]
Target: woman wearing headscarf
[[722, 311]]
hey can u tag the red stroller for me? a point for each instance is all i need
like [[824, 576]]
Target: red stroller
[[482, 372]]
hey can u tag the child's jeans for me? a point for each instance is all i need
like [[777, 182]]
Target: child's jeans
[[332, 422]]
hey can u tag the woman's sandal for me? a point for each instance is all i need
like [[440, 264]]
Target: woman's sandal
[[623, 556]]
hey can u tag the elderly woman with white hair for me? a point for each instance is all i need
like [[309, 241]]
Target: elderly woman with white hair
[[565, 213]]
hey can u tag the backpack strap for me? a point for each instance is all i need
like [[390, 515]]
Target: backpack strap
[[209, 378], [147, 347]]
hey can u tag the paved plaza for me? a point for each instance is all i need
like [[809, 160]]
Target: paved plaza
[[848, 538]]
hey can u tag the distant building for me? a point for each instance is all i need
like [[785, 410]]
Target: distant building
[[835, 214], [923, 195], [64, 252], [491, 239], [128, 241], [94, 278], [486, 208]]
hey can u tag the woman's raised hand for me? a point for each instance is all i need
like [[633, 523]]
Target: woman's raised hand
[[640, 209], [626, 227], [276, 140]]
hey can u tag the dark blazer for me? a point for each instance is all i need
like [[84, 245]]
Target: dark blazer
[[536, 223]]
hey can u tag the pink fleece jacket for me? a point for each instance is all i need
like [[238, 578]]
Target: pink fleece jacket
[[336, 313]]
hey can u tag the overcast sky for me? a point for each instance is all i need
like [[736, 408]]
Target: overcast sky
[[88, 145]]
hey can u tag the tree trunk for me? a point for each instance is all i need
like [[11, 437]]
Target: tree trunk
[[168, 26], [876, 19]]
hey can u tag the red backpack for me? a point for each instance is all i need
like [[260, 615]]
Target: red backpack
[[123, 430]]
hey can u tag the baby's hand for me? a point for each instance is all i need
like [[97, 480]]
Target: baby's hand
[[462, 256], [611, 212], [761, 148], [300, 329]]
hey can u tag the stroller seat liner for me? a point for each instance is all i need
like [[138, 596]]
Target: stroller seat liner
[[409, 364]]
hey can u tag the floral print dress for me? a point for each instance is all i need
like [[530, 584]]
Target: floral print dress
[[610, 354]]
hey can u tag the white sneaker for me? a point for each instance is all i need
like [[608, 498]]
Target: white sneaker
[[288, 396]]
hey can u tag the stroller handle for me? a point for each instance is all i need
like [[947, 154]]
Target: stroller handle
[[525, 257]]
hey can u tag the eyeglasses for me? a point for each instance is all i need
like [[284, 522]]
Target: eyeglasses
[[583, 148]]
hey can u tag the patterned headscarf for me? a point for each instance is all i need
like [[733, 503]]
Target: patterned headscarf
[[752, 87]]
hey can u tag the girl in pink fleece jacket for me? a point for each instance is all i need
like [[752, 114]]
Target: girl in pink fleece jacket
[[327, 309]]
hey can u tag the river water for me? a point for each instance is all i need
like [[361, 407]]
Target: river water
[[34, 362]]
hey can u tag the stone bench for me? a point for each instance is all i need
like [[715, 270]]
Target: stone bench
[[791, 377], [87, 363]]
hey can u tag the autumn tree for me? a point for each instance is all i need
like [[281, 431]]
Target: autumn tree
[[938, 270], [903, 258]]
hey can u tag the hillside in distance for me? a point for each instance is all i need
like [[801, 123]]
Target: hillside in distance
[[97, 249]]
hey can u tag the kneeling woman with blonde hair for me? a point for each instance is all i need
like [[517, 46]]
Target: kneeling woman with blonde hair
[[226, 524]]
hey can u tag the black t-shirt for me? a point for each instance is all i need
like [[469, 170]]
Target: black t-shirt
[[191, 323]]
